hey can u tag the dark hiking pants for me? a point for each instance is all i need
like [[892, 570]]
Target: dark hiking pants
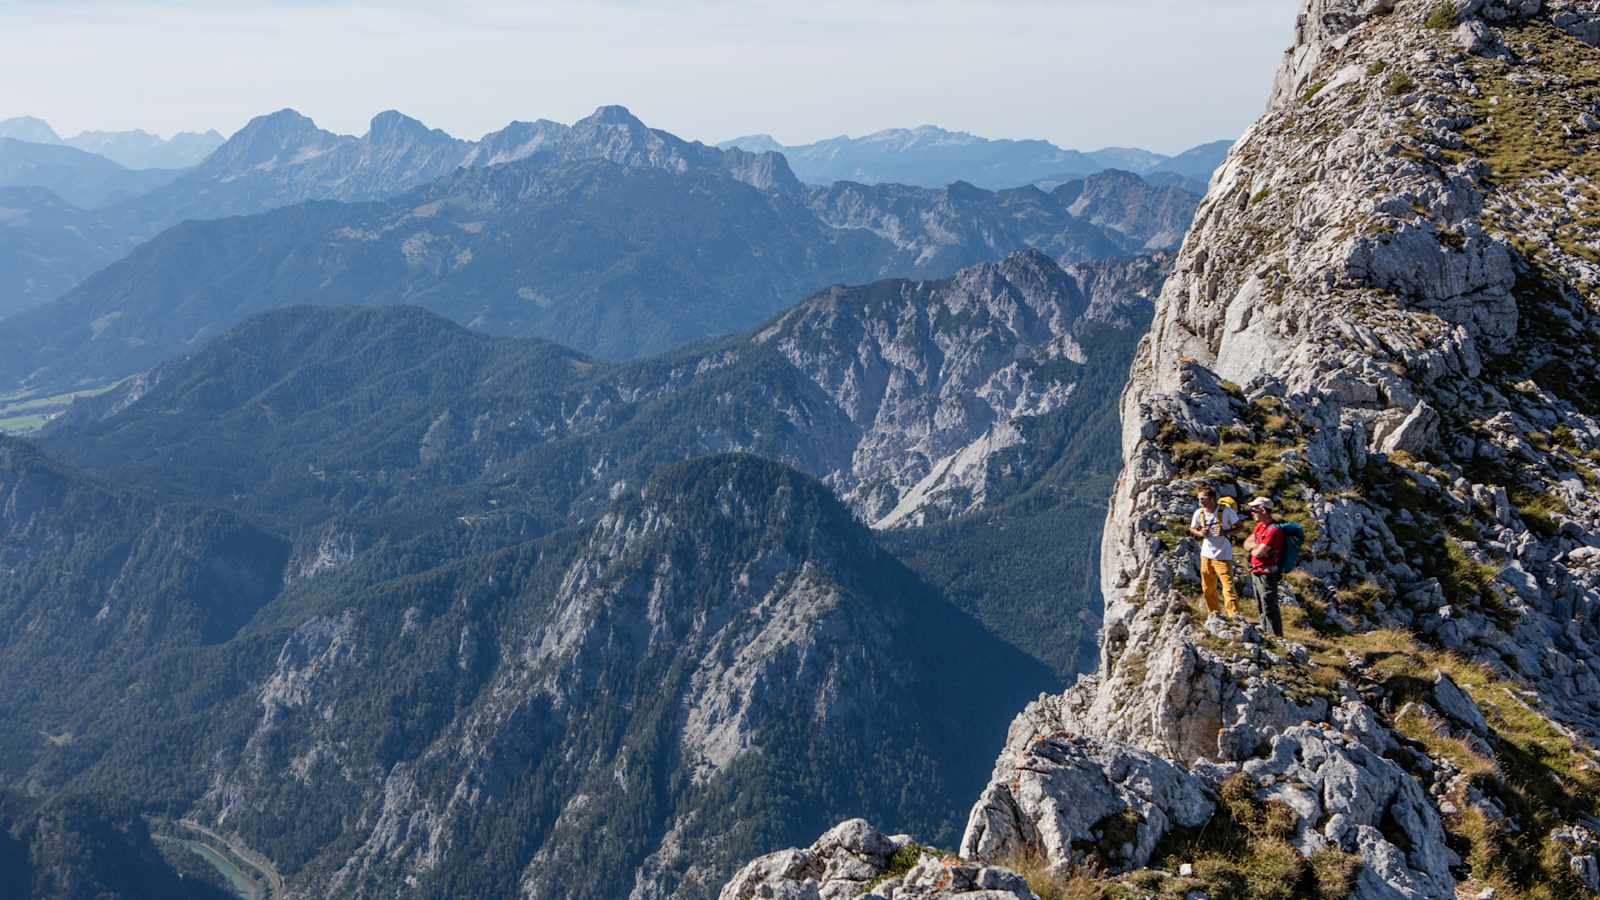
[[1267, 595]]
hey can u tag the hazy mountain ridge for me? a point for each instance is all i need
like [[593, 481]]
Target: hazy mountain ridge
[[284, 159], [85, 180], [930, 156], [133, 149]]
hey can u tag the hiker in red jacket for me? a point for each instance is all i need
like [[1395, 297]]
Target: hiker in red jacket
[[1265, 545]]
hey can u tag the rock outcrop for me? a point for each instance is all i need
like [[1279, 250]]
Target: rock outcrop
[[856, 860], [1075, 801], [1386, 320]]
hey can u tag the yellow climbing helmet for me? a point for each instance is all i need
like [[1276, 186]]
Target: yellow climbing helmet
[[1230, 503]]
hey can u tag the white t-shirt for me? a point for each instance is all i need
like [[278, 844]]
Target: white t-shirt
[[1214, 547]]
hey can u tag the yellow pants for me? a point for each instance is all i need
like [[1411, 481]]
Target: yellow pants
[[1213, 571]]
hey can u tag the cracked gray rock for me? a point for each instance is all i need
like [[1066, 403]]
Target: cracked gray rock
[[853, 859], [1075, 801]]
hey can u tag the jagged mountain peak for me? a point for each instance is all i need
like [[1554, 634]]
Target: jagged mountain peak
[[393, 125], [516, 141], [1030, 270], [283, 121], [612, 114], [1114, 176], [268, 139]]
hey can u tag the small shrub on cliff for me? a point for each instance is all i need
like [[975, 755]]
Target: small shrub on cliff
[[1080, 885], [1442, 16], [1244, 853]]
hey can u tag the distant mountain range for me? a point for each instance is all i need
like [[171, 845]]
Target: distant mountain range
[[933, 157], [136, 149], [283, 159], [606, 236]]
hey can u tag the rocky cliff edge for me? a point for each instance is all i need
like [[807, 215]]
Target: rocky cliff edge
[[1386, 318]]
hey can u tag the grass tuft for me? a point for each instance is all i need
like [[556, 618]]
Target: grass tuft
[[1443, 16], [1399, 84]]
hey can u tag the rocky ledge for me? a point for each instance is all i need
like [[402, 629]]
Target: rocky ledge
[[856, 860]]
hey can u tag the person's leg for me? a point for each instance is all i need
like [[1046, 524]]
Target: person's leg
[[1230, 596], [1271, 614], [1258, 587], [1208, 584]]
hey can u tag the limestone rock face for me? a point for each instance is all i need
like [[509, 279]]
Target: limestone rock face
[[854, 859], [1344, 795], [1075, 800], [1386, 320], [934, 380]]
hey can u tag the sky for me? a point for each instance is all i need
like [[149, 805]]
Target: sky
[[1160, 74]]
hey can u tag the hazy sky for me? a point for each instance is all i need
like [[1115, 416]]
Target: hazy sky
[[1162, 74]]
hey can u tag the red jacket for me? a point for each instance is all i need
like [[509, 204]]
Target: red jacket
[[1267, 535]]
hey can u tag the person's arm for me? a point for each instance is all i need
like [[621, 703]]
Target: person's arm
[[1194, 529]]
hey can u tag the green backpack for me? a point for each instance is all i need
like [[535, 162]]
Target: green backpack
[[1294, 538]]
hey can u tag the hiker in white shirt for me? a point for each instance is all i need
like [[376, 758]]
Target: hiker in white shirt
[[1214, 524]]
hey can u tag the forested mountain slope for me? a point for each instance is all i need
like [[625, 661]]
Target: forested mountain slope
[[47, 246], [75, 849], [96, 578], [918, 402], [701, 667]]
